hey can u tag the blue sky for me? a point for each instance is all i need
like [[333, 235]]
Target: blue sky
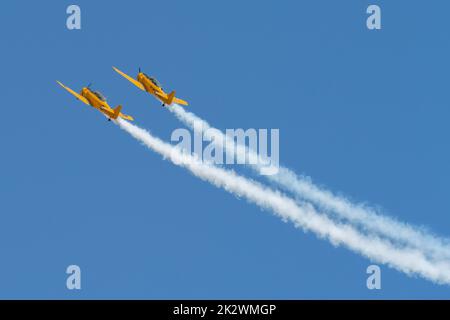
[[364, 113]]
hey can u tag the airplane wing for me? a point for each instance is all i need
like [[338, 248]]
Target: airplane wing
[[133, 81], [78, 96]]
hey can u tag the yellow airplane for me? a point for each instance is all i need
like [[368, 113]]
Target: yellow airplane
[[152, 86], [98, 101]]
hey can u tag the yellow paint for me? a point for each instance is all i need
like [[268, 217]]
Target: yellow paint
[[145, 83], [93, 99]]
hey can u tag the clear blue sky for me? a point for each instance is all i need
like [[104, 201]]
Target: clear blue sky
[[364, 113]]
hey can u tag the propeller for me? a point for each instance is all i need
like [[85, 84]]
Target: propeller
[[139, 69], [89, 85]]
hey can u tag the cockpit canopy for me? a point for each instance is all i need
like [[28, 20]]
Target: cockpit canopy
[[153, 80], [99, 95]]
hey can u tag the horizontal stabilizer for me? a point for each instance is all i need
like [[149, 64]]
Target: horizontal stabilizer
[[117, 114], [126, 117], [180, 101]]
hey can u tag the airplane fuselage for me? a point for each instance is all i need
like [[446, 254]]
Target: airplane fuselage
[[93, 99], [150, 87], [98, 101]]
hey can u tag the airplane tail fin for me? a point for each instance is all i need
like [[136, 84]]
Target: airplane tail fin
[[170, 97], [117, 112]]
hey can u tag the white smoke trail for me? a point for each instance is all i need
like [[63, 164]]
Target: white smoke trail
[[406, 260], [365, 217]]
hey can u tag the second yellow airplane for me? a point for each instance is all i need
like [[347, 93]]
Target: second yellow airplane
[[98, 101], [152, 86]]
